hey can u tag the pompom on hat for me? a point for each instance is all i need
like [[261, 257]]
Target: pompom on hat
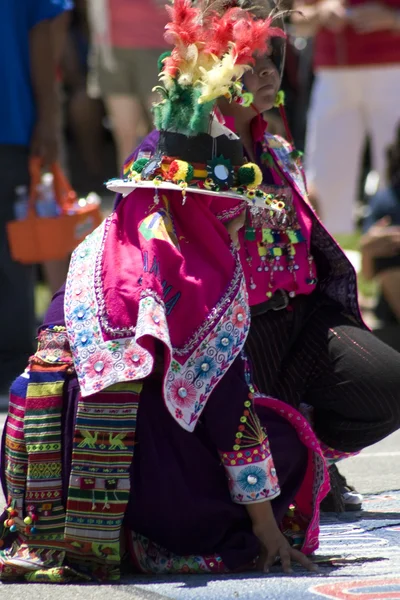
[[214, 44]]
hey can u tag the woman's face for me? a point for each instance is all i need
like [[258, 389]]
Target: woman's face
[[263, 82]]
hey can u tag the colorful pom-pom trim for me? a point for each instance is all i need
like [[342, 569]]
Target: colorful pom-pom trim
[[139, 164], [180, 170], [250, 175]]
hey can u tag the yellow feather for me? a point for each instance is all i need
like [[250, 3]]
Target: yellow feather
[[217, 81]]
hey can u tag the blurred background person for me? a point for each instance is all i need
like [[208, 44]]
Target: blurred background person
[[28, 126], [355, 95], [83, 116], [380, 249], [55, 271], [127, 39]]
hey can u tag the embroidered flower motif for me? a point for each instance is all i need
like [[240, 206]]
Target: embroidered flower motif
[[153, 312], [178, 413], [114, 345], [134, 357], [205, 367], [84, 338], [224, 341], [252, 479], [81, 312], [129, 373], [99, 364], [175, 366], [239, 317], [183, 392]]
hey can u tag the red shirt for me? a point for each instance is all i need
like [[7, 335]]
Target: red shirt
[[349, 48], [137, 23]]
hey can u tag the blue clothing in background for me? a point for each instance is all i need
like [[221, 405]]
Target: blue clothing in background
[[17, 105], [385, 203]]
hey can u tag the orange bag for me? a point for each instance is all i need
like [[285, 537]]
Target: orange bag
[[38, 239]]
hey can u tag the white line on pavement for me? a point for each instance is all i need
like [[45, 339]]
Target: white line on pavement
[[376, 454]]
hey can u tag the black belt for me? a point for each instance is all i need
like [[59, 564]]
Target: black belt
[[279, 301]]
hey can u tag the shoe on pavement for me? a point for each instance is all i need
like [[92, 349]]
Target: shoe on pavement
[[342, 496]]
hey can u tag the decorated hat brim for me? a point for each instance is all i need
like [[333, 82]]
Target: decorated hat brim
[[125, 187]]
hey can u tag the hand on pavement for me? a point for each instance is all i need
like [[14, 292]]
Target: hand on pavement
[[276, 547]]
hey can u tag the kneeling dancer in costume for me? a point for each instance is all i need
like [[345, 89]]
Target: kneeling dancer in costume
[[206, 359]]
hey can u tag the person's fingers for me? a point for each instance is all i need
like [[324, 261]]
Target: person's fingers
[[285, 560], [303, 560], [261, 559], [270, 559]]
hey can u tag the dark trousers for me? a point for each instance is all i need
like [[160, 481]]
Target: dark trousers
[[16, 281], [316, 355]]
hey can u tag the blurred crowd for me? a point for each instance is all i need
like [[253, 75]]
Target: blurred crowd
[[77, 83]]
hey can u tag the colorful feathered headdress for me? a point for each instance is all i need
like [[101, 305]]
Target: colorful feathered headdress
[[214, 44]]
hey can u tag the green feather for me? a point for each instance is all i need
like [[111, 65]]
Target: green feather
[[139, 164], [161, 59]]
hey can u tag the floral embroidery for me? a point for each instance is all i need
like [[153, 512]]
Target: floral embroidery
[[100, 363], [205, 367], [252, 479], [220, 348], [238, 317], [224, 341], [135, 356], [114, 358], [153, 558], [251, 474], [85, 338], [249, 466], [183, 392]]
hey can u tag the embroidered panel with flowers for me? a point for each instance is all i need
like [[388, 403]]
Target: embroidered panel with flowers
[[103, 358]]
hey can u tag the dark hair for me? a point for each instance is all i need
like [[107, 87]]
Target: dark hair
[[393, 161]]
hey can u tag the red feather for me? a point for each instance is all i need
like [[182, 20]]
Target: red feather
[[236, 30], [221, 31], [185, 26], [171, 63], [251, 37]]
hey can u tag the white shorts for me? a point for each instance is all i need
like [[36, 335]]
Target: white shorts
[[347, 104]]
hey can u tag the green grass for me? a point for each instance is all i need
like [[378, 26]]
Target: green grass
[[42, 299], [351, 241]]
